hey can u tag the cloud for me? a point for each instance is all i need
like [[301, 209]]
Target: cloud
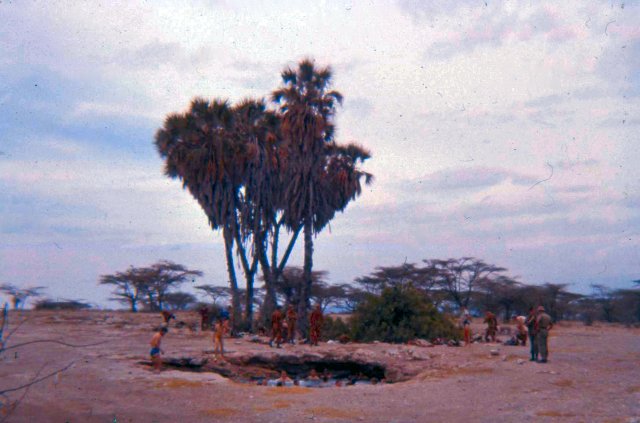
[[497, 24], [473, 179]]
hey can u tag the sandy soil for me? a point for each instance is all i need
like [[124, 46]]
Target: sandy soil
[[593, 376]]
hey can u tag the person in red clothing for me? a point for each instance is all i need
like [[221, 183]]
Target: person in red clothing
[[292, 318], [276, 328], [204, 318], [166, 316], [465, 322], [315, 324], [492, 327]]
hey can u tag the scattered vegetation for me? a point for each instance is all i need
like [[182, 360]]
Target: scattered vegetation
[[49, 304], [19, 296], [399, 314]]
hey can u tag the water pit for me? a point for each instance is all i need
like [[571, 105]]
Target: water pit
[[263, 370]]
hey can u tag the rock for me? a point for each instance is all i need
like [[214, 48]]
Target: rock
[[495, 352], [520, 361], [421, 343]]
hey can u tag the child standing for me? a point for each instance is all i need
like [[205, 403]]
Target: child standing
[[155, 352]]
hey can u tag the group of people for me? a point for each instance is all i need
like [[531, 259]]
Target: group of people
[[319, 380], [535, 326], [220, 329], [280, 324], [287, 323]]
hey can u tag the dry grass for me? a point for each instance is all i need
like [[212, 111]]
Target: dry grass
[[287, 390], [332, 413], [221, 412], [554, 414], [452, 371], [281, 404], [179, 383], [620, 420], [563, 383], [573, 350]]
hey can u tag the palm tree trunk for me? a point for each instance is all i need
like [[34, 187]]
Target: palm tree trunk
[[303, 304], [233, 281], [269, 304], [248, 306]]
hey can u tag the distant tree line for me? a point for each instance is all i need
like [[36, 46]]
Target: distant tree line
[[469, 282], [448, 285]]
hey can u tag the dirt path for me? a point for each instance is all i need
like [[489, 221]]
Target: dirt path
[[593, 375]]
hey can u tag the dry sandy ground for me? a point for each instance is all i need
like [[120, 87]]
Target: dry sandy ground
[[593, 376]]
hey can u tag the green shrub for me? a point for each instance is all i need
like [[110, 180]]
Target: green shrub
[[334, 328], [398, 315]]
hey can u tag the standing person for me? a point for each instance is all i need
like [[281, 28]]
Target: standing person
[[166, 317], [155, 352], [465, 320], [315, 325], [522, 331], [219, 330], [544, 326], [532, 327], [276, 328], [492, 326], [292, 318], [204, 318], [227, 315]]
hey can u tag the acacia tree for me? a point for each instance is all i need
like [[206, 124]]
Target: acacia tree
[[129, 286], [161, 278], [321, 177], [289, 284], [19, 296], [421, 278], [216, 293], [502, 293], [149, 285], [179, 300], [459, 277]]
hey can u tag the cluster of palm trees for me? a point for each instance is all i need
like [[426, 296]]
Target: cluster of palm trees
[[261, 170]]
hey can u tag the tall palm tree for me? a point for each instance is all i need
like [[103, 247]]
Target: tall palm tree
[[261, 194], [318, 182], [200, 148]]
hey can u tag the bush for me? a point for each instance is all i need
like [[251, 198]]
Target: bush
[[398, 315], [47, 304], [334, 328]]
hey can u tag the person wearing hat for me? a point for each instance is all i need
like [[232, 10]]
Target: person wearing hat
[[532, 327], [544, 324]]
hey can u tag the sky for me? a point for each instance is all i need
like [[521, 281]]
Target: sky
[[507, 131]]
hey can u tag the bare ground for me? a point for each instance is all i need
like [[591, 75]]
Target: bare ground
[[593, 376]]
